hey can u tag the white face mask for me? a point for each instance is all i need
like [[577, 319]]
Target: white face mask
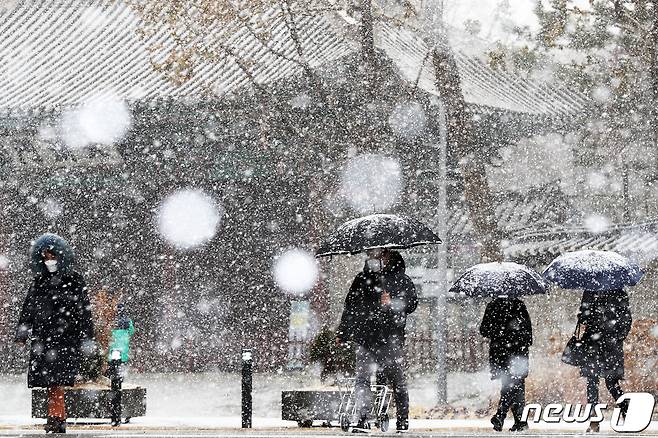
[[375, 265], [51, 265]]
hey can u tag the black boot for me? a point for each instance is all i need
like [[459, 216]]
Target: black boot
[[50, 425], [55, 425], [402, 425], [61, 425], [519, 425], [623, 407], [497, 422]]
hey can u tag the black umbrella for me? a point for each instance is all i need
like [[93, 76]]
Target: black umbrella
[[499, 279], [376, 231]]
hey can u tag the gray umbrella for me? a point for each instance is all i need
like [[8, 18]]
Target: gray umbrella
[[499, 279], [376, 231]]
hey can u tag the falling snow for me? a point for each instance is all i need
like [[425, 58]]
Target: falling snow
[[469, 180], [188, 218], [371, 182], [295, 271]]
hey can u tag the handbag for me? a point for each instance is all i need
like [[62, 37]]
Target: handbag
[[575, 351]]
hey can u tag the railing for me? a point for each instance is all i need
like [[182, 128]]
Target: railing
[[464, 351]]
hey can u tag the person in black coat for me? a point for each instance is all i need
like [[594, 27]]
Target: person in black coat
[[506, 323], [56, 317], [605, 319], [374, 318]]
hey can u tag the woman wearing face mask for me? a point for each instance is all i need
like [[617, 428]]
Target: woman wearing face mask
[[56, 318]]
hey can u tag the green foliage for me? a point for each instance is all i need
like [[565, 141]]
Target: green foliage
[[92, 364], [607, 52], [333, 358]]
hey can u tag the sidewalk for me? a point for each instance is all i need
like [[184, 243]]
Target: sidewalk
[[175, 395], [190, 425], [210, 403]]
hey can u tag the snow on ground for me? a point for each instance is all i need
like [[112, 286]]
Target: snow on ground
[[212, 401], [213, 395]]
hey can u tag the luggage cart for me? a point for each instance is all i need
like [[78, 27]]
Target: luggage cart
[[378, 415]]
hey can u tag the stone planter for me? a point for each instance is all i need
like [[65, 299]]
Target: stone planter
[[307, 406], [93, 401]]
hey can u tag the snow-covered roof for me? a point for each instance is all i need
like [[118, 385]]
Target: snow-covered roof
[[539, 206], [60, 53], [638, 241], [481, 84]]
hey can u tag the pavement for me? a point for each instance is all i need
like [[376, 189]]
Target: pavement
[[274, 428], [289, 434], [184, 405]]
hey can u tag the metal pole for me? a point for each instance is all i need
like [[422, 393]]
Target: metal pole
[[115, 373], [246, 388], [436, 39], [440, 312]]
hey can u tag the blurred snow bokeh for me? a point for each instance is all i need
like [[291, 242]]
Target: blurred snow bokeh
[[408, 120], [103, 119], [601, 94], [371, 182], [8, 5], [295, 271], [51, 208], [597, 223], [4, 263], [597, 181], [188, 218]]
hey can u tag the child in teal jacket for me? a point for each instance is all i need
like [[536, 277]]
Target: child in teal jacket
[[121, 334]]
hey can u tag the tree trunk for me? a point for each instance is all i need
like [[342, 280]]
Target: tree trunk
[[653, 72], [472, 165], [367, 35]]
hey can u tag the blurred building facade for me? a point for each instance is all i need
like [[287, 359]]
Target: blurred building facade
[[269, 149]]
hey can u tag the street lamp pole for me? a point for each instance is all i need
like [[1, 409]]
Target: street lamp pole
[[434, 33]]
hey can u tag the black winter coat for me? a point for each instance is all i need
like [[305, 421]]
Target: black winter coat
[[57, 312], [365, 320], [506, 323], [607, 319]]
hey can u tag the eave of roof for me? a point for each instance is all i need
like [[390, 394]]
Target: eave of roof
[[638, 240], [57, 54]]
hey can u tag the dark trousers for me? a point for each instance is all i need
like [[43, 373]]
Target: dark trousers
[[387, 361], [512, 396], [612, 383]]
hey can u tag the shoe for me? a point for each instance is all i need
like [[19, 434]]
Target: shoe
[[497, 423], [55, 425], [402, 426], [623, 407], [61, 426], [361, 427], [519, 426], [594, 427], [50, 426]]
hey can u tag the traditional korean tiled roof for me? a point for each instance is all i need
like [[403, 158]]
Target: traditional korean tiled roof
[[481, 84], [543, 206], [57, 53], [639, 241]]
